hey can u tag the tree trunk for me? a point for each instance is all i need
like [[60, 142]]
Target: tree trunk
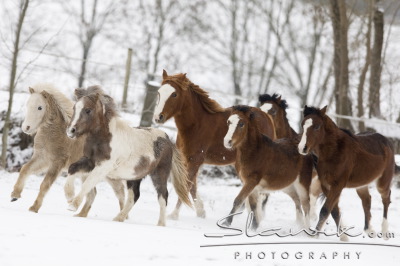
[[376, 67], [341, 61], [86, 48], [360, 89], [22, 14]]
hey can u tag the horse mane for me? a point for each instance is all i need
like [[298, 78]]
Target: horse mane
[[274, 98], [210, 105], [311, 110], [241, 108], [348, 132], [64, 105], [107, 101]]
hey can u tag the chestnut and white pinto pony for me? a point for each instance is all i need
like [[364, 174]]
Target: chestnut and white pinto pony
[[47, 117], [115, 150]]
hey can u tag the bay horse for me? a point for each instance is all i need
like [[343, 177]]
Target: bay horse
[[265, 164], [346, 160], [48, 114], [115, 150], [201, 124], [276, 107]]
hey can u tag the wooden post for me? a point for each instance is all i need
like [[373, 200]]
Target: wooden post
[[150, 102], [127, 76]]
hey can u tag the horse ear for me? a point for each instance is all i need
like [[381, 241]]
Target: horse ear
[[31, 90], [323, 110], [279, 99], [79, 93], [164, 74], [251, 116], [45, 94]]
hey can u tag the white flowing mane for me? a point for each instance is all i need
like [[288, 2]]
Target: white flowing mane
[[65, 105]]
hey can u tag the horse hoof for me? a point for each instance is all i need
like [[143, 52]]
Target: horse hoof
[[119, 219], [173, 216], [201, 214], [33, 209], [72, 207], [161, 223], [14, 199], [81, 215], [344, 238]]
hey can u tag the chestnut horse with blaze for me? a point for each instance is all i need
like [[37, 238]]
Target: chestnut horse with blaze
[[201, 124], [265, 164], [346, 160]]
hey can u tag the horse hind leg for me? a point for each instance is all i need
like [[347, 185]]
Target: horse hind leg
[[383, 185], [160, 178], [88, 203], [133, 196], [365, 197], [304, 197], [253, 201], [292, 193], [118, 187], [315, 191]]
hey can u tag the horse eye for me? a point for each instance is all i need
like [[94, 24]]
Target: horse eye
[[317, 127], [39, 108], [88, 111], [241, 124], [173, 95]]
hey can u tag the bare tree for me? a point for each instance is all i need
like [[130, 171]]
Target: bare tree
[[376, 67], [23, 7], [90, 20], [341, 60]]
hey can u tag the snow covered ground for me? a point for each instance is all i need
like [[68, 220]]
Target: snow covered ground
[[54, 237]]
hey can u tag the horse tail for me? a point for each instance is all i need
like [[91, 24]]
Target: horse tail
[[321, 198], [180, 176]]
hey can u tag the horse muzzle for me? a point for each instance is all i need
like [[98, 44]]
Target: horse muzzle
[[228, 144], [71, 132], [304, 151], [159, 119]]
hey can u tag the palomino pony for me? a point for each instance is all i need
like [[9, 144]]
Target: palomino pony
[[276, 107], [113, 149], [201, 124], [265, 164], [48, 114], [346, 160]]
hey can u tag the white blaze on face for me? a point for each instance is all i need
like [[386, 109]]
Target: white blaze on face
[[266, 107], [77, 113], [35, 110], [303, 141], [165, 92], [234, 120]]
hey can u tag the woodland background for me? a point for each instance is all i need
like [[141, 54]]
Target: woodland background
[[344, 54]]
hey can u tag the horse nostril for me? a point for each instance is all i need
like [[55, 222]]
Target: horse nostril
[[161, 117], [73, 130], [305, 148], [230, 143], [28, 127]]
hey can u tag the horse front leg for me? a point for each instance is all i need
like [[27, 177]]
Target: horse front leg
[[332, 199], [48, 180], [35, 165], [247, 188], [98, 174]]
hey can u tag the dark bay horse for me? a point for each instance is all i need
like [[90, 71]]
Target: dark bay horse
[[276, 107], [265, 164], [117, 151], [346, 160], [201, 124]]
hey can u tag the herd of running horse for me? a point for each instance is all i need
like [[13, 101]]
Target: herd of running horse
[[89, 140]]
